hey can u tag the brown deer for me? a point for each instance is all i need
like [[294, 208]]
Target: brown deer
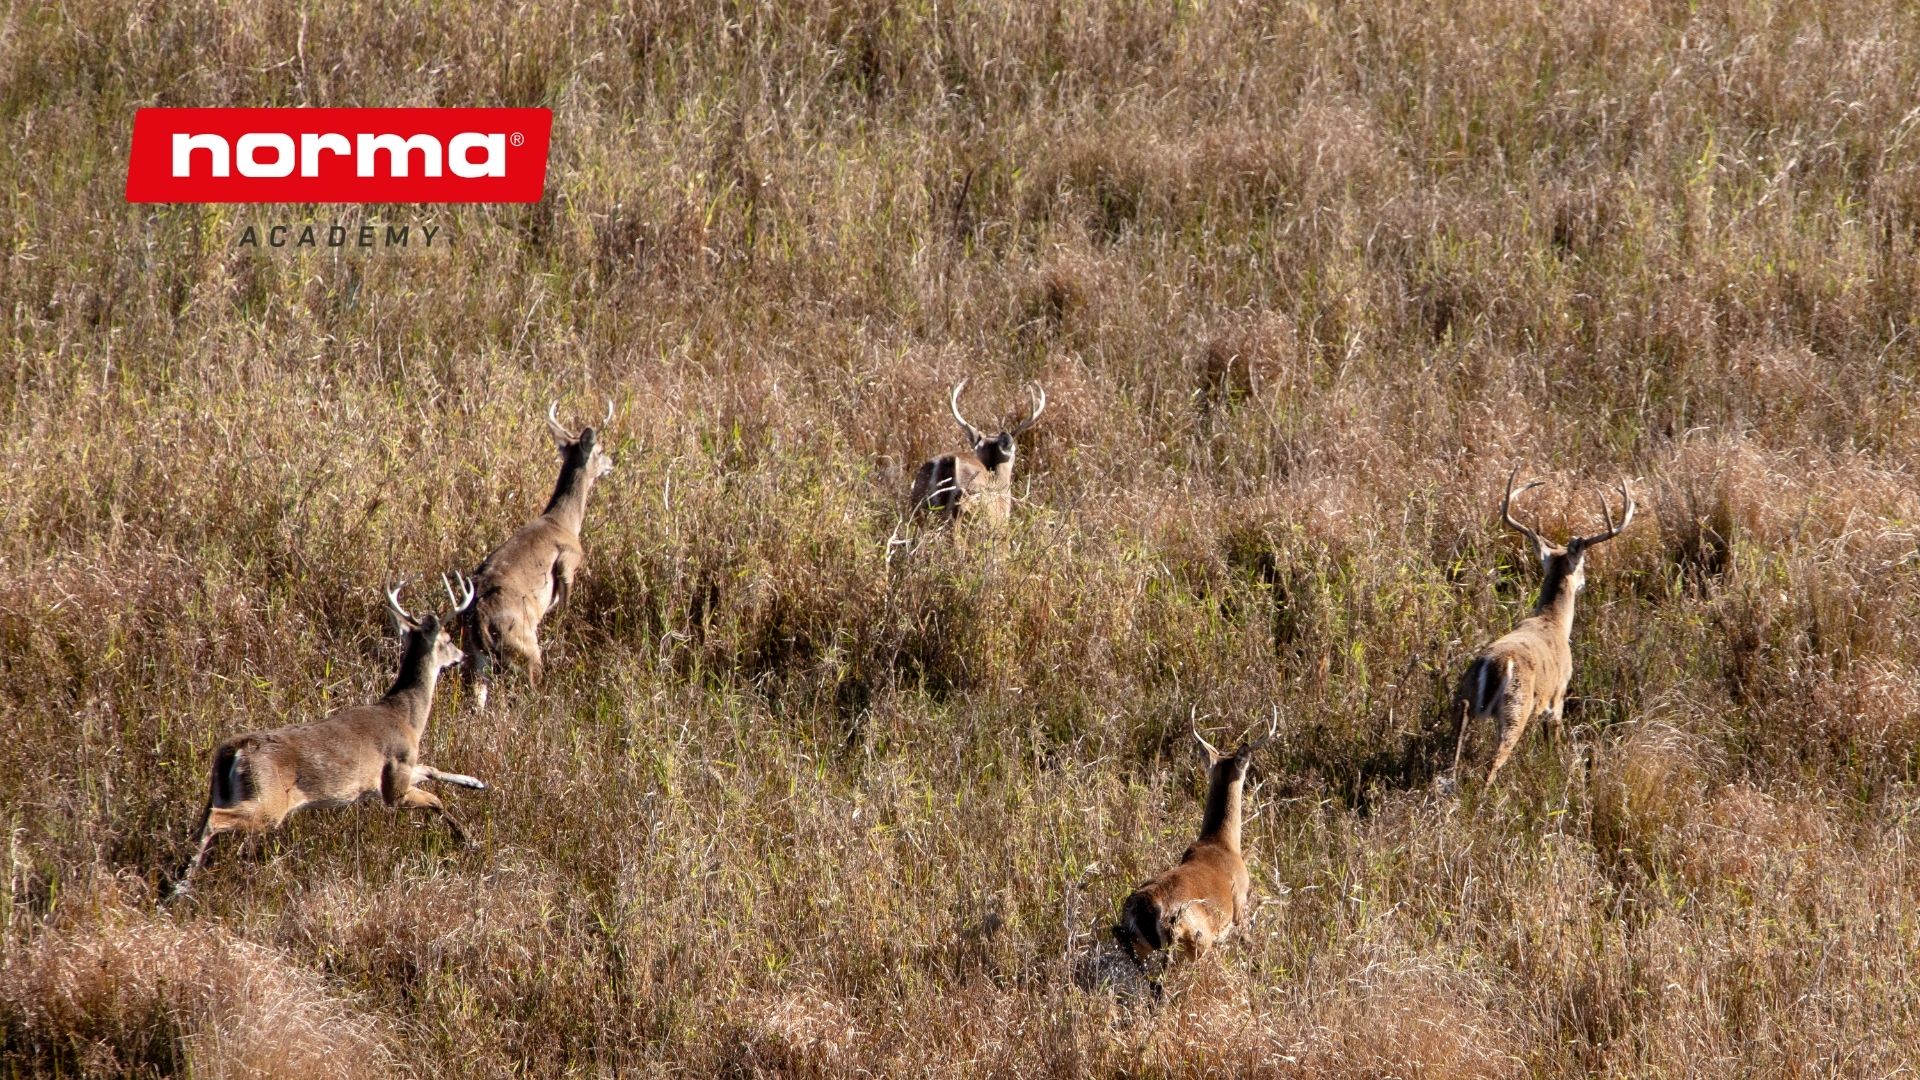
[[957, 486], [1525, 673], [1203, 899], [260, 778], [532, 572]]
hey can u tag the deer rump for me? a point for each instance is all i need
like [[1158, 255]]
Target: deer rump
[[1196, 904]]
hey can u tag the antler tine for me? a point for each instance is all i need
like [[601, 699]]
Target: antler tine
[[953, 403], [1194, 720], [1506, 505], [462, 602], [1607, 511], [553, 422], [1273, 727], [393, 601], [1040, 405], [609, 418]]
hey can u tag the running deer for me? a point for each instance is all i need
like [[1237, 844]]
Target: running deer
[[1525, 673], [1203, 899], [956, 486], [532, 572], [260, 778]]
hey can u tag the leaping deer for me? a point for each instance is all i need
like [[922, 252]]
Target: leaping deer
[[260, 778], [532, 572], [1203, 899], [956, 486], [1525, 673]]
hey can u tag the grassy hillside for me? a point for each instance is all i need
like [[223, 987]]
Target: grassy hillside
[[1303, 282]]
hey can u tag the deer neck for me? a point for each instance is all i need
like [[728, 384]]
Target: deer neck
[[568, 506], [1222, 822], [999, 473], [413, 687], [1557, 594]]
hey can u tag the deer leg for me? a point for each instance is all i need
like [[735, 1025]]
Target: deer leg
[[185, 881], [216, 822], [1514, 717], [418, 798], [1460, 740], [1551, 719], [482, 653], [473, 675], [428, 772], [525, 648], [1192, 948]]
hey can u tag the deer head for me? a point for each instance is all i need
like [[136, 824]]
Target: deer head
[[582, 451], [424, 636], [997, 449], [1231, 768], [1564, 563]]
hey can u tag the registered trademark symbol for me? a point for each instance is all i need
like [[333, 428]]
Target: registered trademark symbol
[[517, 138]]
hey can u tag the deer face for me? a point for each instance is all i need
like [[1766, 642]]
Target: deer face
[[445, 652], [995, 450]]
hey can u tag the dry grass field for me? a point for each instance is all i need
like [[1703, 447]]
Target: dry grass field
[[1303, 281]]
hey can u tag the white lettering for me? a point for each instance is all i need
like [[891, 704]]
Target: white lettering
[[311, 145], [249, 153], [398, 150], [185, 145], [494, 164]]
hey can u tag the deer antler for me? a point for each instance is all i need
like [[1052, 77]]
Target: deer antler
[[1506, 505], [393, 601], [553, 423], [609, 418], [1607, 511], [1040, 406], [1248, 746], [953, 403], [463, 602], [1212, 751]]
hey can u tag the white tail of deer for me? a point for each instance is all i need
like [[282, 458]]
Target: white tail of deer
[[979, 483], [1203, 898], [532, 572], [260, 778], [1525, 673]]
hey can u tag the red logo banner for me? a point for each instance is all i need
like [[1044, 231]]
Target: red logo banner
[[338, 155]]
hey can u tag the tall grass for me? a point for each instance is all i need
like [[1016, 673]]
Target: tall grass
[[1303, 282]]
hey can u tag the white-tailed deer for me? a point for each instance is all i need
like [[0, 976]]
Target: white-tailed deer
[[956, 486], [532, 572], [1203, 899], [260, 778], [1525, 673]]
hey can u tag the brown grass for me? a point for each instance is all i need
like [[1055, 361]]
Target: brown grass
[[1303, 282], [113, 989]]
